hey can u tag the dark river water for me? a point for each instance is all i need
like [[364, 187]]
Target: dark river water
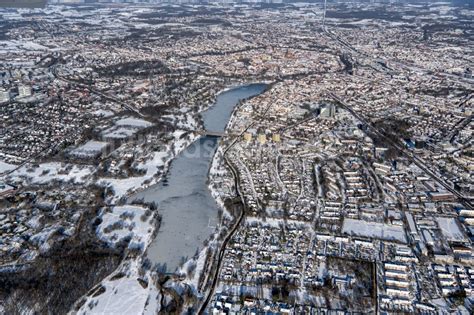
[[188, 210]]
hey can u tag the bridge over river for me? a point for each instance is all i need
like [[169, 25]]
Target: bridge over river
[[210, 133], [188, 210]]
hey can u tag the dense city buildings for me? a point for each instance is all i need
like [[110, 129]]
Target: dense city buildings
[[235, 157]]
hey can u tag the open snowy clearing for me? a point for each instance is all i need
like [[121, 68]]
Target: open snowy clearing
[[374, 230], [126, 222]]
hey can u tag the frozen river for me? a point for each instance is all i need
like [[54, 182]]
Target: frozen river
[[188, 210]]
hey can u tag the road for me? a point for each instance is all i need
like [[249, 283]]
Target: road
[[221, 254], [231, 233], [116, 100], [41, 153], [414, 159], [113, 99], [459, 126], [417, 161]]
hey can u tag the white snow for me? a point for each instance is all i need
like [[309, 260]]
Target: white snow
[[123, 222], [122, 187], [118, 133], [374, 230], [221, 183], [450, 229], [124, 295], [47, 172], [12, 45], [5, 167], [273, 222], [103, 113], [133, 122], [90, 148], [40, 238], [200, 263], [186, 122], [34, 222]]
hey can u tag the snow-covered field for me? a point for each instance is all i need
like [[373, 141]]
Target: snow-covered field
[[187, 121], [90, 148], [5, 167], [133, 122], [41, 239], [450, 229], [216, 173], [14, 45], [47, 172], [198, 266], [123, 187], [124, 292], [125, 128], [374, 230], [126, 222], [103, 113], [124, 295], [118, 132]]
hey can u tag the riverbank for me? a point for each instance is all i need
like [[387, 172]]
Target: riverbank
[[190, 225], [188, 209]]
